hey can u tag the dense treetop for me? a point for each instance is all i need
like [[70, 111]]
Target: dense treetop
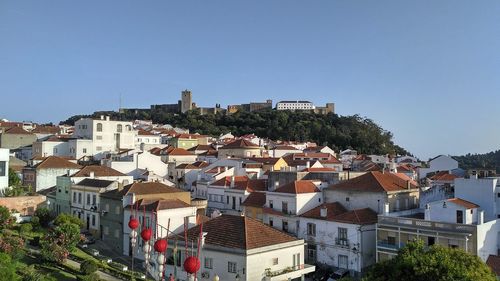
[[338, 132], [490, 160]]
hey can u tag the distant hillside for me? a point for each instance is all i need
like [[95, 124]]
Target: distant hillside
[[338, 132], [490, 160]]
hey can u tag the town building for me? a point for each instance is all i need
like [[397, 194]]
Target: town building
[[4, 168], [16, 137], [44, 174], [437, 164], [295, 105], [240, 148], [255, 252]]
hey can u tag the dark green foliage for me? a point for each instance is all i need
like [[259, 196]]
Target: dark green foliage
[[25, 229], [44, 216], [490, 160], [415, 262], [89, 277], [14, 179], [88, 267], [7, 268], [338, 132], [66, 218], [57, 244], [6, 220]]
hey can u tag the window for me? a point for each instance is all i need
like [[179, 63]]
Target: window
[[98, 148], [88, 199], [343, 261], [311, 229], [285, 226], [231, 267], [271, 204], [208, 263], [93, 220], [275, 261], [119, 128], [270, 222], [347, 199], [74, 197], [117, 210], [227, 199], [391, 240], [79, 198], [107, 208], [55, 150], [284, 207], [3, 169], [99, 127], [94, 199], [311, 253], [342, 233], [98, 137]]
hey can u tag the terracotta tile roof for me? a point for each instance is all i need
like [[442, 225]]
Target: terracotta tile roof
[[240, 143], [17, 131], [242, 183], [285, 147], [55, 162], [331, 160], [179, 152], [368, 166], [190, 136], [464, 203], [297, 187], [443, 176], [142, 188], [142, 132], [255, 199], [336, 212], [374, 182], [157, 205], [265, 160], [312, 155], [319, 170], [95, 183], [239, 232], [46, 130], [213, 153], [202, 147], [405, 168], [194, 166], [494, 263], [99, 171], [8, 124]]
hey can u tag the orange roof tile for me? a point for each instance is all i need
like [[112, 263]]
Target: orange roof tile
[[240, 143], [17, 131], [464, 203], [337, 212], [179, 152], [99, 171], [255, 199], [374, 182], [55, 162], [298, 187]]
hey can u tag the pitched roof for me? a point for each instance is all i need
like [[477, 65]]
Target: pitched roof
[[285, 147], [179, 152], [17, 131], [443, 176], [255, 199], [240, 143], [320, 170], [95, 183], [157, 205], [374, 182], [336, 212], [99, 171], [190, 136], [464, 203], [494, 263], [55, 162], [264, 160], [141, 188], [46, 130], [242, 183], [297, 187], [193, 166], [142, 132], [202, 147], [239, 232]]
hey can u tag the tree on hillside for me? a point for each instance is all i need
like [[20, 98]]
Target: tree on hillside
[[59, 242], [6, 219], [7, 268], [66, 218], [415, 262], [14, 179], [44, 216]]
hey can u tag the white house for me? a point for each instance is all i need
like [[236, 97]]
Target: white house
[[294, 105], [85, 201], [287, 202], [4, 168], [484, 191], [44, 174], [162, 212], [107, 136], [101, 173], [282, 150], [52, 146], [253, 251], [147, 140], [339, 238], [136, 163], [438, 163]]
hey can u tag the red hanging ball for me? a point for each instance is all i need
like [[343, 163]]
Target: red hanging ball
[[146, 234], [133, 223], [192, 265], [161, 245]]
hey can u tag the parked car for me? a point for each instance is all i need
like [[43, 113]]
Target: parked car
[[338, 274]]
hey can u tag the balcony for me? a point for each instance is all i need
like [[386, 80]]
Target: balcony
[[387, 245], [289, 273], [342, 242], [425, 225]]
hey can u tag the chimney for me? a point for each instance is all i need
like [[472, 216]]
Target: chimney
[[386, 208], [107, 118], [92, 175], [232, 181], [68, 172], [308, 165], [323, 212], [203, 236], [218, 170], [102, 117], [408, 185]]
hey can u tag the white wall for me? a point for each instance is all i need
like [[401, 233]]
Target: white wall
[[47, 178], [482, 192], [487, 239], [4, 168], [441, 163], [437, 212], [357, 200]]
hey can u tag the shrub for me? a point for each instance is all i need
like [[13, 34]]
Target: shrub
[[87, 267], [25, 228], [44, 216], [65, 218]]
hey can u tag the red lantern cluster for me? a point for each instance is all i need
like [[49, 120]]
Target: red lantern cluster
[[146, 234], [192, 265], [161, 245], [133, 223]]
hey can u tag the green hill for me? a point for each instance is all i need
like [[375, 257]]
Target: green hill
[[338, 132]]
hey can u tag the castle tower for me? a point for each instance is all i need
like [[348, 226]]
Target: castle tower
[[186, 101]]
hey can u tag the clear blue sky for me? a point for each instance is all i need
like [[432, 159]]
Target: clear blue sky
[[428, 71]]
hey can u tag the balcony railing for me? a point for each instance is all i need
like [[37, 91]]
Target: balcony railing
[[342, 242], [386, 244], [419, 223], [289, 272]]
